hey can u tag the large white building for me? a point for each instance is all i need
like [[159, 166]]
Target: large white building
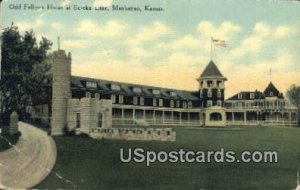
[[86, 103]]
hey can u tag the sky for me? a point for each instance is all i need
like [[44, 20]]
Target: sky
[[171, 48]]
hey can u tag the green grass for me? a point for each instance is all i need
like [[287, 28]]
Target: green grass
[[95, 164]]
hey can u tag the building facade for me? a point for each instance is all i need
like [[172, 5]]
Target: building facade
[[83, 104]]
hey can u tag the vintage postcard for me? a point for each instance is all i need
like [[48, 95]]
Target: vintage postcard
[[150, 94]]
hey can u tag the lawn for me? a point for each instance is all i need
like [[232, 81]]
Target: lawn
[[95, 164]]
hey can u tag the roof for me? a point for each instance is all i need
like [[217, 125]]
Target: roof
[[246, 96], [211, 70], [127, 88], [272, 91]]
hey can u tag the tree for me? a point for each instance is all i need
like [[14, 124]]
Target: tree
[[293, 95], [23, 70]]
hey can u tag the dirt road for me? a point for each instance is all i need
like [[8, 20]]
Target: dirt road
[[30, 162]]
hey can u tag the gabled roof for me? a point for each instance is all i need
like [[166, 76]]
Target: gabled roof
[[246, 96], [272, 91], [127, 88], [211, 70]]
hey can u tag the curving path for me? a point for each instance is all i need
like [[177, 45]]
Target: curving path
[[30, 161]]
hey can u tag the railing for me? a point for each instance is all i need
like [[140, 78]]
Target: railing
[[125, 121]]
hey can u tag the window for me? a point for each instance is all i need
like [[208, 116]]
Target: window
[[173, 94], [177, 104], [190, 104], [97, 95], [135, 100], [137, 89], [121, 99], [209, 83], [100, 119], [240, 96], [115, 87], [184, 104], [88, 95], [219, 94], [77, 120], [90, 84], [240, 105], [142, 101], [172, 103], [201, 84], [154, 102], [113, 98], [271, 94], [219, 83], [209, 103], [201, 94], [251, 95], [219, 103], [161, 102], [156, 91], [209, 94]]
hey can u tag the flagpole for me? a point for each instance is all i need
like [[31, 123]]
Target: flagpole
[[211, 48]]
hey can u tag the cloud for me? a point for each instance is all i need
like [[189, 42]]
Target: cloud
[[57, 26], [225, 30], [25, 25], [262, 29], [65, 2], [136, 51], [103, 3], [110, 29], [283, 31], [149, 33]]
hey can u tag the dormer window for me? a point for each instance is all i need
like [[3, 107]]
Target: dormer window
[[240, 96], [90, 84], [137, 89], [251, 95], [271, 94], [156, 91], [115, 87], [173, 93]]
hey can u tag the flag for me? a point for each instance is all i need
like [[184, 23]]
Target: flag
[[218, 42]]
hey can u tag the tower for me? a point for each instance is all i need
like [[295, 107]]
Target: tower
[[61, 90], [211, 86]]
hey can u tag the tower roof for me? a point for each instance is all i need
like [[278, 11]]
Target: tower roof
[[211, 70], [271, 90]]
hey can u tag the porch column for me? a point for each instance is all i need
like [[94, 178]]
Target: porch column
[[180, 117], [144, 114], [245, 117], [188, 114], [122, 116], [133, 114], [154, 119], [163, 116]]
